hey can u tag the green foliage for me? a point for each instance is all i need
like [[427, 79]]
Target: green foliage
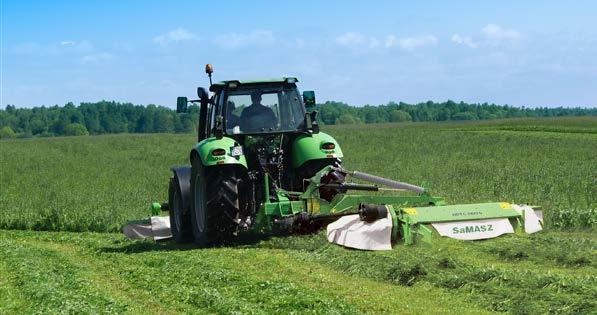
[[397, 115], [431, 111], [465, 116], [97, 118], [75, 129], [7, 133], [111, 117], [345, 119]]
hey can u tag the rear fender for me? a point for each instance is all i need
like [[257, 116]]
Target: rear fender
[[309, 147], [205, 149]]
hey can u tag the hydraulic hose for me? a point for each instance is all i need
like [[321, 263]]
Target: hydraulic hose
[[386, 182]]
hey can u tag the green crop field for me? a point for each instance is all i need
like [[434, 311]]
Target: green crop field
[[64, 200]]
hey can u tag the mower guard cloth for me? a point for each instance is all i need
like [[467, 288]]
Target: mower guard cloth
[[350, 231], [156, 228], [533, 219], [475, 229]]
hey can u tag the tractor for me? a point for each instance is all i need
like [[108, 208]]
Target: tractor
[[262, 164]]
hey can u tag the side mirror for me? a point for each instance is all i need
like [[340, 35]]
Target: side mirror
[[181, 104], [202, 94], [309, 100]]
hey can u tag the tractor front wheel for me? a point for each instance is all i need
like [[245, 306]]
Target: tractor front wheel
[[199, 204], [180, 222]]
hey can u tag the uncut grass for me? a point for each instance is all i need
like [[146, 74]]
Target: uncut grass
[[98, 183]]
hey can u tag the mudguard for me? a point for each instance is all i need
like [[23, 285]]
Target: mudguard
[[206, 148], [182, 174], [309, 147]]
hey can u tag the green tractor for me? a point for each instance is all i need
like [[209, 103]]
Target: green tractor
[[261, 164]]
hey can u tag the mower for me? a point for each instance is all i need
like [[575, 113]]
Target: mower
[[261, 164]]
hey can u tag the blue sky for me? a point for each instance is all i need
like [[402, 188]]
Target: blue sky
[[523, 53]]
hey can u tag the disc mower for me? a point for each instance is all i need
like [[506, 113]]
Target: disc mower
[[262, 164]]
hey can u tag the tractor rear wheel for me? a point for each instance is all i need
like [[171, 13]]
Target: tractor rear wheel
[[180, 222], [215, 203]]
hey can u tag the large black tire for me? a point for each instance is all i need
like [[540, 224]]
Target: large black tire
[[199, 203], [215, 202], [180, 220], [224, 195]]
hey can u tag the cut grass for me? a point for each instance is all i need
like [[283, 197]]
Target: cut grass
[[534, 279], [300, 274], [166, 278]]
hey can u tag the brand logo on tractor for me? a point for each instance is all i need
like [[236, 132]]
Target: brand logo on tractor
[[473, 229]]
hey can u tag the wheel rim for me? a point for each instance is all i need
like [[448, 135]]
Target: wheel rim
[[198, 203]]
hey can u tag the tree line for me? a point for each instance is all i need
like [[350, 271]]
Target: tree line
[[111, 117], [340, 113]]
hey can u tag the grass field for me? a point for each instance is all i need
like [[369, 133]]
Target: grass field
[[81, 185]]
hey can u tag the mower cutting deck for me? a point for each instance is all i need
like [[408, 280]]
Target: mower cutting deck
[[261, 164]]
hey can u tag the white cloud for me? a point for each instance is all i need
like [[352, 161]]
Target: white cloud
[[351, 39], [177, 35], [495, 33], [357, 41], [464, 40], [238, 40], [410, 43], [390, 41], [490, 35], [83, 47], [96, 58], [55, 49]]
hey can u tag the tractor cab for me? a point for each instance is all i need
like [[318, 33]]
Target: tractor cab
[[259, 107]]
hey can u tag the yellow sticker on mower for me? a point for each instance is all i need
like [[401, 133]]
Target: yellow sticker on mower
[[505, 205], [411, 211]]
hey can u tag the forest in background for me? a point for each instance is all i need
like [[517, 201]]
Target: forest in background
[[112, 117]]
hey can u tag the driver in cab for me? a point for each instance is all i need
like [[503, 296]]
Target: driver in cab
[[257, 117]]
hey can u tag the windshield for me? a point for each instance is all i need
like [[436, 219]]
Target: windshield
[[262, 110]]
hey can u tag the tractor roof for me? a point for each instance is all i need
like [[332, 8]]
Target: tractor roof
[[221, 84]]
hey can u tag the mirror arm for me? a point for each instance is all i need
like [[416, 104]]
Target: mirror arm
[[314, 124], [219, 132]]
